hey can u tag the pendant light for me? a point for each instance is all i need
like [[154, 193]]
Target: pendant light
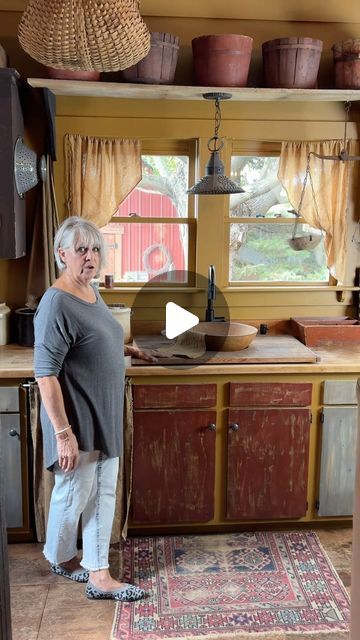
[[215, 182]]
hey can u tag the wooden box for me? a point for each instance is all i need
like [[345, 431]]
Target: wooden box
[[325, 330]]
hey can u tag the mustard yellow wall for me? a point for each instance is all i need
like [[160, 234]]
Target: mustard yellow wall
[[246, 122]]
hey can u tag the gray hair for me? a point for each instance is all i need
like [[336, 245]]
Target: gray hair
[[74, 229]]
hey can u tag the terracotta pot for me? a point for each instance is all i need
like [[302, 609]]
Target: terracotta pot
[[66, 74], [222, 60]]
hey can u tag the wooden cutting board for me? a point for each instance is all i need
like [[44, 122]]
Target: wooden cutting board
[[270, 349]]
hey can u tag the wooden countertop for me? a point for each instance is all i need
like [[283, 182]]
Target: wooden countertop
[[271, 349], [17, 362]]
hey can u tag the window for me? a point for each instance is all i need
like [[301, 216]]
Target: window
[[152, 234], [261, 224]]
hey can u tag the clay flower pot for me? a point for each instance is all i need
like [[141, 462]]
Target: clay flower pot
[[221, 60], [67, 74]]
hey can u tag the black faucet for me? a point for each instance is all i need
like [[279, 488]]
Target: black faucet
[[211, 295]]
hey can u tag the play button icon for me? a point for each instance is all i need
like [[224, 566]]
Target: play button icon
[[178, 320], [156, 326]]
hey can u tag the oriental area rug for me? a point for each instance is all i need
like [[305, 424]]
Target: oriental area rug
[[265, 585]]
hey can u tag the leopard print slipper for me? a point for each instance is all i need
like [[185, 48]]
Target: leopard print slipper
[[128, 593], [79, 575]]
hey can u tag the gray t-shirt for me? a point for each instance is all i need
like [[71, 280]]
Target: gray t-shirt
[[82, 344]]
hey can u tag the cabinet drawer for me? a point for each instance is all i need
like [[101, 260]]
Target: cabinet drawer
[[272, 393], [9, 399], [340, 392], [182, 396]]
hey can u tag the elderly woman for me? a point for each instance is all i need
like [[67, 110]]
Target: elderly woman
[[79, 367]]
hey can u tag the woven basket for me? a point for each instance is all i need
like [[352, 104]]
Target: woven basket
[[92, 35]]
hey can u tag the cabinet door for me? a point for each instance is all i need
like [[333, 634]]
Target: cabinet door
[[267, 463], [173, 467], [11, 448], [337, 466]]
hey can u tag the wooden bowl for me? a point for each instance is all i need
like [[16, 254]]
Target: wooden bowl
[[226, 336]]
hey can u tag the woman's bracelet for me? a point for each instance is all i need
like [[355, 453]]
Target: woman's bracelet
[[58, 433]]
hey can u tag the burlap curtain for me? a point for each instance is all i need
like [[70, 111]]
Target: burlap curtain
[[331, 181], [43, 480], [99, 174], [42, 273]]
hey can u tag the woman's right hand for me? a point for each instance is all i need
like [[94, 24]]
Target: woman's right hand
[[68, 451]]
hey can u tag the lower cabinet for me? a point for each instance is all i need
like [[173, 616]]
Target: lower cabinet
[[338, 448], [238, 451], [268, 451], [174, 454], [15, 471]]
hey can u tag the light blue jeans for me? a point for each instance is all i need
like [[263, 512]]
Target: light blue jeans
[[88, 491]]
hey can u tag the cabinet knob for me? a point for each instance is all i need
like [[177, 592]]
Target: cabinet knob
[[14, 433], [211, 427], [234, 426]]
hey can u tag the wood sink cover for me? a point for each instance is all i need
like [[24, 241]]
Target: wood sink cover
[[266, 349]]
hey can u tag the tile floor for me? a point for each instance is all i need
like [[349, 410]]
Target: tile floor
[[45, 606]]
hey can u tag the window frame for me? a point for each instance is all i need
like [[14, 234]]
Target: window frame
[[261, 149], [166, 147]]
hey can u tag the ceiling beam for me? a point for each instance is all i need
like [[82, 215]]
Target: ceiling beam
[[283, 10]]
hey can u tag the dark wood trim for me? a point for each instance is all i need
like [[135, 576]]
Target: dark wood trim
[[5, 613]]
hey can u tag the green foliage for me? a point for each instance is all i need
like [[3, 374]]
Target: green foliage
[[268, 257], [261, 252], [162, 165]]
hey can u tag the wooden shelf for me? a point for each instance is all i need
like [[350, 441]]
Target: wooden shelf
[[171, 92]]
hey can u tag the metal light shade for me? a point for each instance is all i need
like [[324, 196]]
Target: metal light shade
[[215, 182]]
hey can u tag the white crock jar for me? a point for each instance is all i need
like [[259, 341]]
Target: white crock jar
[[122, 315], [4, 323]]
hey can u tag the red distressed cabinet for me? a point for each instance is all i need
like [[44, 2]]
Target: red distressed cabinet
[[174, 453], [268, 450]]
